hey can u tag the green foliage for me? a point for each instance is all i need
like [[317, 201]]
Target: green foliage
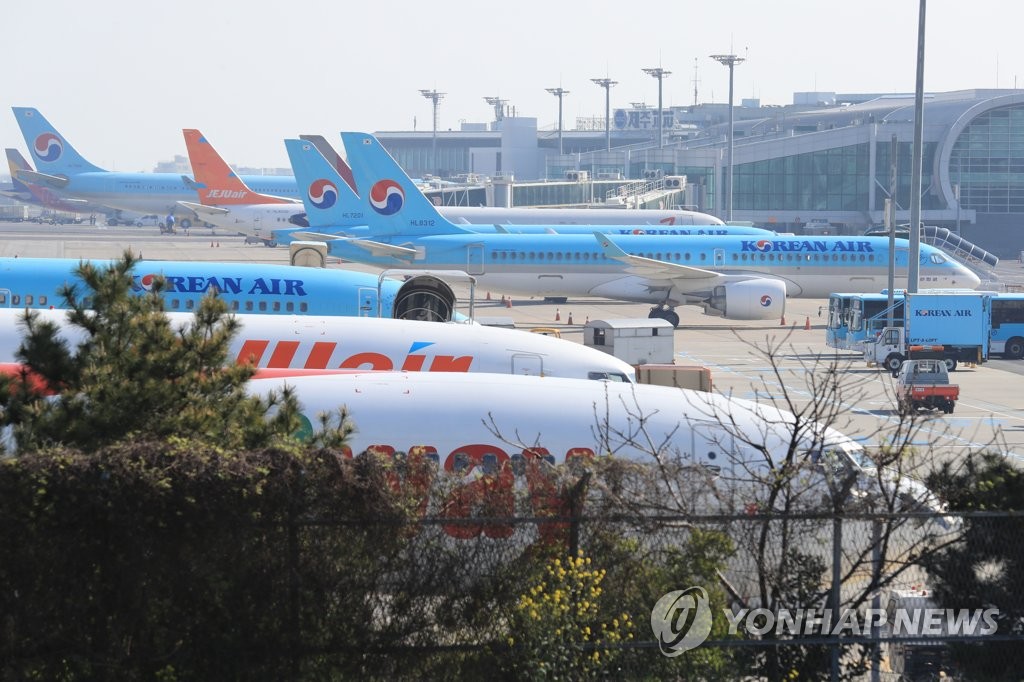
[[133, 376]]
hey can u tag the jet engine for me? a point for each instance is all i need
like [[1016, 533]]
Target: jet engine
[[752, 299], [425, 297]]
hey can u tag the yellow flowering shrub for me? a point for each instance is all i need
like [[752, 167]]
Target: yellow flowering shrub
[[556, 628]]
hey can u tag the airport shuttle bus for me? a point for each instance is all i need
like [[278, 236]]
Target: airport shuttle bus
[[1007, 336]]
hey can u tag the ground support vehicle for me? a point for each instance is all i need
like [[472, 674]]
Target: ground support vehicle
[[924, 384]]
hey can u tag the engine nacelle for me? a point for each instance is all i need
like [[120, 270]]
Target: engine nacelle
[[752, 299], [425, 297]]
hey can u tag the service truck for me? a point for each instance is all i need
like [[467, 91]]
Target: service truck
[[924, 384], [956, 325]]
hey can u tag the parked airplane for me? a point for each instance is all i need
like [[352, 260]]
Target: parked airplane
[[247, 287], [493, 435], [307, 342], [226, 201], [41, 195], [60, 167], [737, 277]]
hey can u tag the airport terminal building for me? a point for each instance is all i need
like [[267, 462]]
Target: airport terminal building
[[821, 165]]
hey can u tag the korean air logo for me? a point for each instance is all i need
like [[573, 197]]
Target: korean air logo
[[323, 194], [143, 282], [387, 197], [763, 245], [48, 147], [766, 301], [639, 231]]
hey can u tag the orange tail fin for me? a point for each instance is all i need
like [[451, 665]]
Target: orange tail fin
[[218, 184]]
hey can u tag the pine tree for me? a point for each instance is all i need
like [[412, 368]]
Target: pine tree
[[134, 376]]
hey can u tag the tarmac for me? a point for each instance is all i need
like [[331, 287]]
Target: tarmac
[[783, 361]]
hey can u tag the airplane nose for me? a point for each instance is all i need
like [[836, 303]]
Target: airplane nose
[[966, 279]]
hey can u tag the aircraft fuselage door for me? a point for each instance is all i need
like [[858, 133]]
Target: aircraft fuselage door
[[475, 259], [528, 363], [367, 302], [5, 298], [719, 257]]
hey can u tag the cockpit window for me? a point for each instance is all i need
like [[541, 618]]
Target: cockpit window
[[610, 376], [938, 258]]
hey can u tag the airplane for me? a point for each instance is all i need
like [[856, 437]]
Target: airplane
[[41, 195], [496, 433], [60, 167], [741, 277], [226, 201], [256, 288], [315, 343]]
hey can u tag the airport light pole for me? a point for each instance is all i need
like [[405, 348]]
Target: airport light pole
[[914, 269], [435, 97], [731, 61], [661, 74], [499, 106], [607, 84], [559, 92]]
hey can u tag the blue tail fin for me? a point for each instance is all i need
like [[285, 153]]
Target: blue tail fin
[[392, 203], [17, 162], [328, 199], [51, 152]]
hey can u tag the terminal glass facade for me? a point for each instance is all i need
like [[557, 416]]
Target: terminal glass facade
[[987, 162], [904, 172], [827, 180]]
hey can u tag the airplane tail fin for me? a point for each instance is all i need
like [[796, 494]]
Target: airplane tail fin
[[333, 158], [51, 152], [216, 183], [394, 203], [17, 162], [328, 199]]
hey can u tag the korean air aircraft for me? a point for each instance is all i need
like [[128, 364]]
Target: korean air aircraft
[[60, 167], [247, 288], [737, 277]]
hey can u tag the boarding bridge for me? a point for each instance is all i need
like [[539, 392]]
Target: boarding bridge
[[964, 251], [643, 193]]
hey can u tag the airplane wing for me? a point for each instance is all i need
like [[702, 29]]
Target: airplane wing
[[657, 269], [200, 209], [37, 178], [192, 184], [375, 248]]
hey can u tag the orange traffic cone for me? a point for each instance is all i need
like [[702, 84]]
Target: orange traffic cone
[[557, 316], [807, 323], [488, 295], [782, 322], [211, 245], [218, 245], [508, 302], [587, 321], [503, 298], [568, 320]]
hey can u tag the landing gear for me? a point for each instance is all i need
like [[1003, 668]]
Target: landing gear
[[185, 223], [664, 313]]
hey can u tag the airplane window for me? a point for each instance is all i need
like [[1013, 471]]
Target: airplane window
[[835, 256], [586, 255], [190, 304], [862, 258], [28, 299], [558, 256], [263, 306], [3, 299], [532, 255], [736, 256], [677, 255], [234, 305], [687, 256], [42, 300], [551, 256], [576, 255], [15, 299], [304, 307], [248, 306], [289, 307], [763, 257], [277, 306], [938, 258], [703, 256], [175, 304]]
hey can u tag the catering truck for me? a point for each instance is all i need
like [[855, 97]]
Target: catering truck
[[954, 326]]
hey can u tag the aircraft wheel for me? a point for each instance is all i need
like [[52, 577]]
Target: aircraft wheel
[[186, 223]]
